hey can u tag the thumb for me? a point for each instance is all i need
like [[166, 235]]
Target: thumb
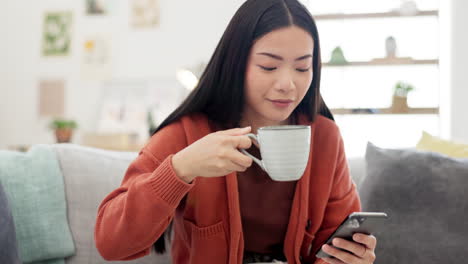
[[236, 131]]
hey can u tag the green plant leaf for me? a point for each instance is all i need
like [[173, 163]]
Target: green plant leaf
[[63, 123]]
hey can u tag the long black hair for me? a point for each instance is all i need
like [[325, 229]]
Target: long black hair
[[219, 93]]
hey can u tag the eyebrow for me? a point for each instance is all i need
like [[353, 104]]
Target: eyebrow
[[281, 58]]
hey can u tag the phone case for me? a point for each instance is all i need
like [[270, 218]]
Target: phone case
[[360, 222]]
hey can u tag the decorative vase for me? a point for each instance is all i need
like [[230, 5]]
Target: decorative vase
[[399, 104], [337, 56], [63, 135], [408, 8], [390, 47]]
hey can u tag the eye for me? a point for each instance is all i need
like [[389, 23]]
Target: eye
[[302, 70], [267, 68]]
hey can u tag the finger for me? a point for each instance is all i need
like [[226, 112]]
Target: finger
[[255, 143], [241, 159], [236, 131], [357, 249], [333, 261], [340, 254], [369, 240], [232, 166], [243, 142]]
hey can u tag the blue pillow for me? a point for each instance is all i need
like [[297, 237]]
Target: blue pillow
[[34, 186]]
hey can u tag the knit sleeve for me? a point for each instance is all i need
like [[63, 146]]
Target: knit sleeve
[[132, 217]]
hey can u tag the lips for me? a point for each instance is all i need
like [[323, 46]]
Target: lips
[[281, 103]]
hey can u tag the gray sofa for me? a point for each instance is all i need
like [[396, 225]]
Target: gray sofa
[[90, 174], [8, 250]]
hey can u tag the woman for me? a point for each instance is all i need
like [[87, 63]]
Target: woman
[[224, 209]]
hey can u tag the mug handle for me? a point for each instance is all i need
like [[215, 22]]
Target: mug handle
[[259, 162]]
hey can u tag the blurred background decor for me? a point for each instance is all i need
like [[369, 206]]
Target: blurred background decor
[[63, 129], [106, 52], [57, 33], [400, 97], [51, 97], [151, 122], [408, 8], [337, 56], [96, 57], [145, 13], [391, 47], [189, 76], [96, 7]]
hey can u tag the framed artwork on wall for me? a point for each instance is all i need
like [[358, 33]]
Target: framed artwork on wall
[[57, 33], [96, 7], [51, 97], [145, 13], [96, 61]]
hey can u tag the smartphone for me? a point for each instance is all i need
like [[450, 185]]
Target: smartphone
[[360, 222]]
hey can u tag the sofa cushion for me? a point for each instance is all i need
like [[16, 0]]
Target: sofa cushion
[[34, 186], [91, 174], [424, 195]]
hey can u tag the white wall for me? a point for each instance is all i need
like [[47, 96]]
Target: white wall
[[458, 70], [188, 34]]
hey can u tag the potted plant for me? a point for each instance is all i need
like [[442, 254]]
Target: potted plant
[[151, 124], [337, 57], [400, 97], [63, 129]]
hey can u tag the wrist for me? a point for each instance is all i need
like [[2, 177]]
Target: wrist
[[180, 169]]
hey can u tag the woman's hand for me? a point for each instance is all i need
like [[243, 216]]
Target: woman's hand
[[361, 251], [214, 155]]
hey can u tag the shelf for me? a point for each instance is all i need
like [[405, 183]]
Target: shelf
[[111, 141], [383, 111], [385, 62], [374, 15]]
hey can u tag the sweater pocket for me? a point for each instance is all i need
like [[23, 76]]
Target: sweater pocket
[[307, 245], [207, 244]]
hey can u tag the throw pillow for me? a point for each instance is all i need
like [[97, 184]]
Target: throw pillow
[[449, 148], [424, 195], [34, 187]]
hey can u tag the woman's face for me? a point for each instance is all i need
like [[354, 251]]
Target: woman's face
[[278, 75]]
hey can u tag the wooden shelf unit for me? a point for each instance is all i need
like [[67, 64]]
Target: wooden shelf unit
[[374, 15], [398, 61], [385, 62]]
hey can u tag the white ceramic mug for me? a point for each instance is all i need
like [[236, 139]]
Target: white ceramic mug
[[284, 149]]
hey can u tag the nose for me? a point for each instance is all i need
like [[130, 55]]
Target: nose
[[285, 82]]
